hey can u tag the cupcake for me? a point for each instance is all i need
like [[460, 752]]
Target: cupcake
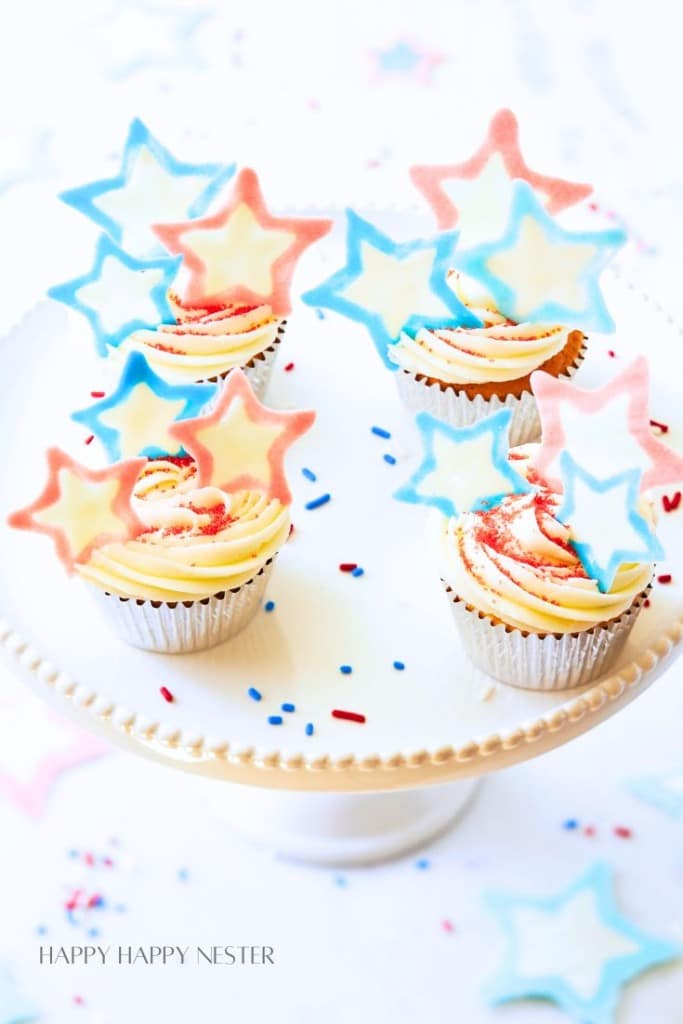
[[177, 548]]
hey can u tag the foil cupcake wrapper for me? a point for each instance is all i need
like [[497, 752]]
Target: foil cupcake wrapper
[[259, 369], [184, 626], [459, 410], [541, 661]]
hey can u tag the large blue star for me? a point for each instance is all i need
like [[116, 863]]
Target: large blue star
[[152, 187], [464, 468], [573, 948], [604, 519], [379, 284], [120, 299], [541, 272], [14, 1008], [134, 419]]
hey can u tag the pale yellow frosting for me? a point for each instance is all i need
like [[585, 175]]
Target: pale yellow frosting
[[515, 564], [498, 351], [199, 541]]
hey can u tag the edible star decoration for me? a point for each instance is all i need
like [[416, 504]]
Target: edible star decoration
[[135, 418], [588, 423], [120, 294], [81, 509], [241, 254], [475, 195], [151, 187], [539, 271], [393, 287], [464, 468], [574, 948], [241, 444], [607, 529]]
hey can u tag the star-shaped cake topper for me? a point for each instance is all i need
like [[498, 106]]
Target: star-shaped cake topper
[[241, 444], [120, 294], [464, 469], [393, 287], [607, 529], [574, 948], [475, 195], [589, 422], [539, 271], [82, 509], [135, 418], [242, 253], [151, 187]]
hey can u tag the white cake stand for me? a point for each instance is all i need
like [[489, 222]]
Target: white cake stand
[[349, 793]]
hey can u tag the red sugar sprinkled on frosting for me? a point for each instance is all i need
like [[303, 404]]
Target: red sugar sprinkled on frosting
[[671, 504]]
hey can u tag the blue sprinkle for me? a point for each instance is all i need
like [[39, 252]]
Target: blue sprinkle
[[254, 693], [320, 315], [399, 666], [289, 707], [570, 823], [93, 932], [389, 458], [41, 930], [317, 502], [73, 853], [120, 908], [98, 901], [422, 864], [269, 606], [183, 874], [309, 728], [357, 571], [380, 432], [309, 474], [274, 719], [340, 882], [345, 670]]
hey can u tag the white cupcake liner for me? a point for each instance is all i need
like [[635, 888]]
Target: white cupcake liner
[[259, 369], [459, 410], [178, 627], [550, 661]]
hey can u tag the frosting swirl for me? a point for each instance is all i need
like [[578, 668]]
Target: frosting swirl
[[204, 343], [197, 541], [515, 564], [498, 351]]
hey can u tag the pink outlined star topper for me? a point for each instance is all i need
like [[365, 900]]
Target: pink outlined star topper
[[241, 254], [82, 509], [503, 140], [606, 429], [241, 444]]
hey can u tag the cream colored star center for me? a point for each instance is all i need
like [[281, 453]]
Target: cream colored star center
[[142, 421], [239, 445], [463, 472], [83, 510]]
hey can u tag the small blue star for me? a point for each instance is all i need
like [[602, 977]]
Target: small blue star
[[157, 404], [604, 520], [401, 57], [464, 469], [537, 269], [377, 287], [14, 1008], [113, 274], [554, 948], [158, 188]]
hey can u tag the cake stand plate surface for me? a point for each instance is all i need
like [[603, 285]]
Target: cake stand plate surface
[[437, 720]]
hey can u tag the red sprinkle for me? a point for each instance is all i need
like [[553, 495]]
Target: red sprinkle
[[288, 367], [348, 716], [447, 925], [89, 859], [662, 427], [671, 504], [589, 830], [646, 602], [97, 394], [623, 832], [166, 694], [79, 1000], [347, 566], [90, 439], [611, 353], [291, 530], [664, 578], [93, 900]]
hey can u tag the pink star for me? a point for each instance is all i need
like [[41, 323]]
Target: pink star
[[595, 427], [502, 139]]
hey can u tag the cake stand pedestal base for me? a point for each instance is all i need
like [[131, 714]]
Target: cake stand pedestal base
[[343, 828]]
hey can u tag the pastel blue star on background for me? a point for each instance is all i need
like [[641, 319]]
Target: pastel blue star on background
[[385, 305], [151, 404], [112, 273], [552, 948], [604, 519], [541, 284], [464, 468], [663, 791], [14, 1008], [165, 190]]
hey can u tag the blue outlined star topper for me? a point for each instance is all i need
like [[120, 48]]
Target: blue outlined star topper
[[14, 1007], [665, 791], [120, 294], [392, 287], [152, 187], [464, 469], [607, 529], [574, 948], [134, 419], [541, 272]]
